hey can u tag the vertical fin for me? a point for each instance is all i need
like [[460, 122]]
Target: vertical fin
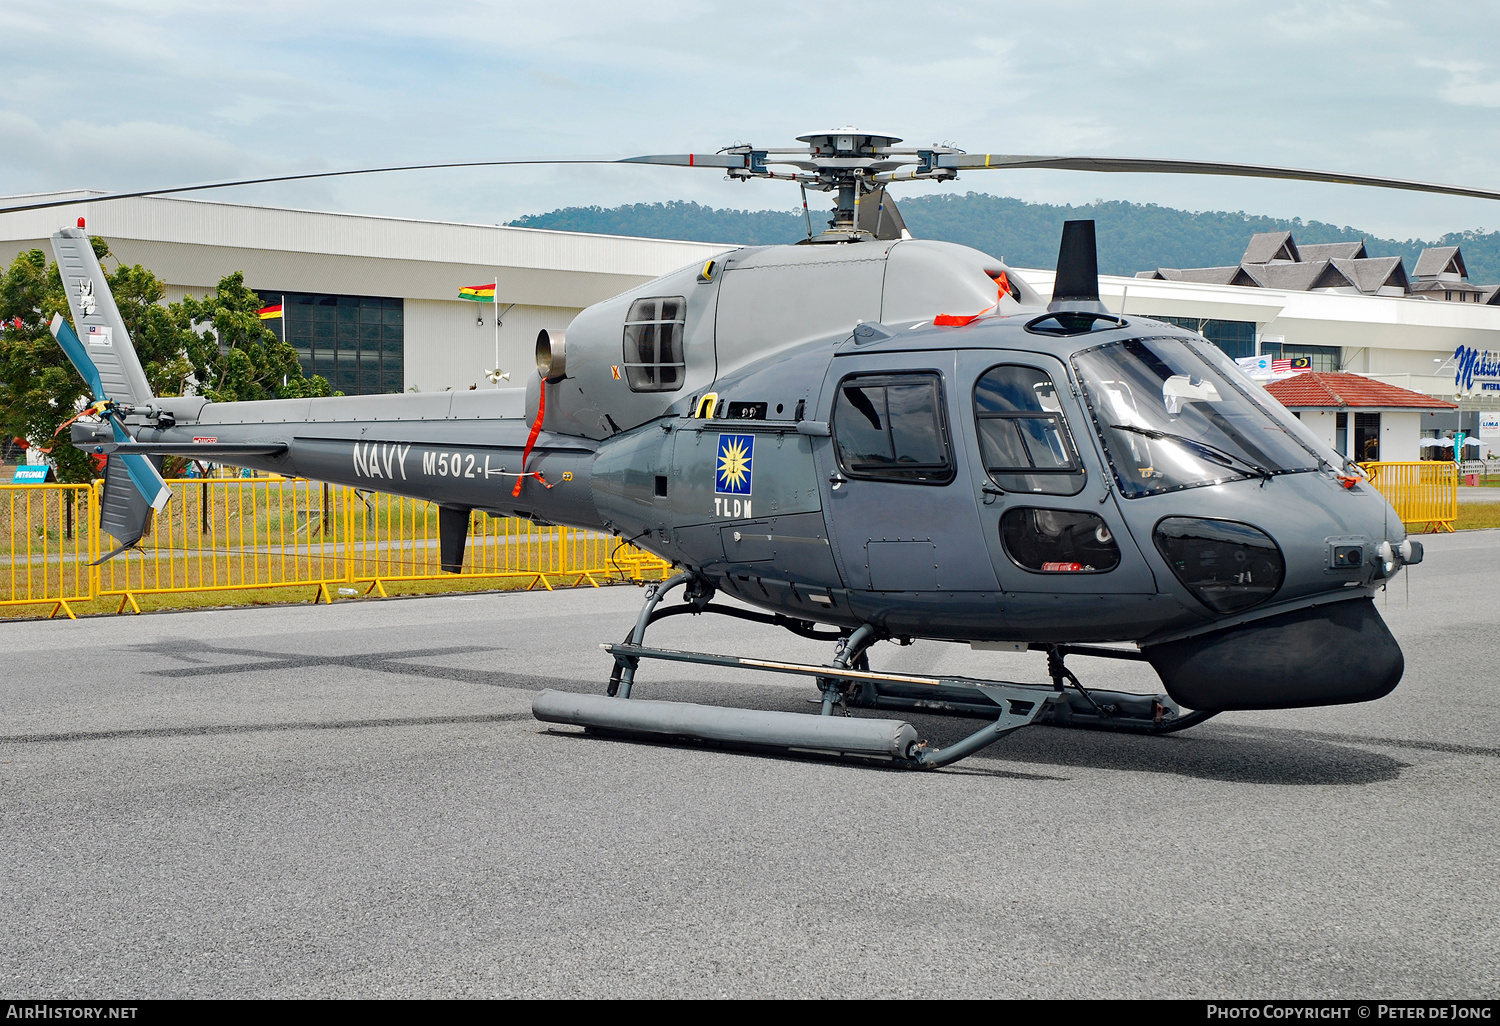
[[123, 512], [453, 532], [100, 326]]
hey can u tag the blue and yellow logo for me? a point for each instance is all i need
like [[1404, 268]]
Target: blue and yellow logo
[[734, 465]]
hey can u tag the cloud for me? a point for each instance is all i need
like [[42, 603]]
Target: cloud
[[1470, 83], [76, 153], [187, 92]]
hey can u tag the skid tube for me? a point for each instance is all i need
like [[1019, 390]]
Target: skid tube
[[895, 742], [848, 681]]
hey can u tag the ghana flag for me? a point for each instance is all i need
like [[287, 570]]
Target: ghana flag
[[478, 293]]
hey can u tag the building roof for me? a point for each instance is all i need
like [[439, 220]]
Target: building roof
[[1440, 260], [1267, 246], [1273, 260], [1232, 275], [1332, 250], [1431, 285], [1370, 274], [1349, 391]]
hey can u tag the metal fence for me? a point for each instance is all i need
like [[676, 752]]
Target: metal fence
[[1423, 492], [46, 544], [224, 534]]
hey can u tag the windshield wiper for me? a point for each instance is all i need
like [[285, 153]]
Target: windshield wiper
[[1209, 452]]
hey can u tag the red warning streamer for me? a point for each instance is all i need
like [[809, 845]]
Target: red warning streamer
[[536, 429]]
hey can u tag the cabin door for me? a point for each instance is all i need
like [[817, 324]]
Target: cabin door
[[898, 487]]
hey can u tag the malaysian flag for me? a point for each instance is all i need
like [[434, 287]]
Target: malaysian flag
[[1300, 364], [1281, 366]]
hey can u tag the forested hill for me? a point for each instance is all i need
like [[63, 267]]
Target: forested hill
[[1132, 236]]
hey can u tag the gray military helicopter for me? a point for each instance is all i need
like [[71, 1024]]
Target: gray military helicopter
[[866, 437]]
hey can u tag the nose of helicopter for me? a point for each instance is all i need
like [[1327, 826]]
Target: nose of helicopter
[[1316, 638]]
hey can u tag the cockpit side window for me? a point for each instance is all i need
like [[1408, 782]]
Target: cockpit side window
[[1022, 433], [653, 344], [891, 427]]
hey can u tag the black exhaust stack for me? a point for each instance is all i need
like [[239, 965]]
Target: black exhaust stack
[[1076, 287]]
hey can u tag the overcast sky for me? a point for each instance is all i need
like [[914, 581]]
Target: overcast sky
[[129, 95]]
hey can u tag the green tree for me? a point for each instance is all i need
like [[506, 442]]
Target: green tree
[[216, 346], [39, 389], [235, 357]]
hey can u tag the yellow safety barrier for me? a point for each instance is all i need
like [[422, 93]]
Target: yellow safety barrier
[[46, 544], [391, 538], [1423, 492], [227, 534]]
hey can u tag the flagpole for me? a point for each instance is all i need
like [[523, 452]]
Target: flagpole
[[495, 315]]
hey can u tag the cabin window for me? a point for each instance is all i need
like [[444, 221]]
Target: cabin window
[[891, 427], [1052, 541], [1022, 434], [653, 344]]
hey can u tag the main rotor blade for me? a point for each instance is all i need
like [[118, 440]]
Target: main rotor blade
[[690, 159], [1006, 161], [228, 183]]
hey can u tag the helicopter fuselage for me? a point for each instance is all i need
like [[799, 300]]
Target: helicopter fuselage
[[802, 428]]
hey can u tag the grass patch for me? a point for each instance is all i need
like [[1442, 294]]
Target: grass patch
[[1478, 516]]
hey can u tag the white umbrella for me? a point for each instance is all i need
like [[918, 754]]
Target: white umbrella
[[1435, 443], [1476, 443]]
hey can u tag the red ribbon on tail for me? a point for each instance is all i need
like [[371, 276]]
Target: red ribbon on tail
[[536, 429]]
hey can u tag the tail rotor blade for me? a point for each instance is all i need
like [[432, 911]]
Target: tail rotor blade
[[147, 481], [78, 355]]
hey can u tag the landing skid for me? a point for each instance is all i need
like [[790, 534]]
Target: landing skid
[[850, 682]]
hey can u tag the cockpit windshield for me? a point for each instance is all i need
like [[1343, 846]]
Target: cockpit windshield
[[1170, 420]]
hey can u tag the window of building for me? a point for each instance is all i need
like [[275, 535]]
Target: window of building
[[356, 342], [1325, 359], [891, 427], [1236, 338], [653, 344], [1367, 437]]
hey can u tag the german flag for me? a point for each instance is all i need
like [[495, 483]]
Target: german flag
[[478, 293], [269, 312]]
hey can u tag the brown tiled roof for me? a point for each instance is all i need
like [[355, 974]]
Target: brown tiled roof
[[1344, 391]]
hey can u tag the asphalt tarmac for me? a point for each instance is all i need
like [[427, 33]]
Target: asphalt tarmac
[[354, 801]]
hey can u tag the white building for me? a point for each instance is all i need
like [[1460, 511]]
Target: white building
[[372, 302]]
